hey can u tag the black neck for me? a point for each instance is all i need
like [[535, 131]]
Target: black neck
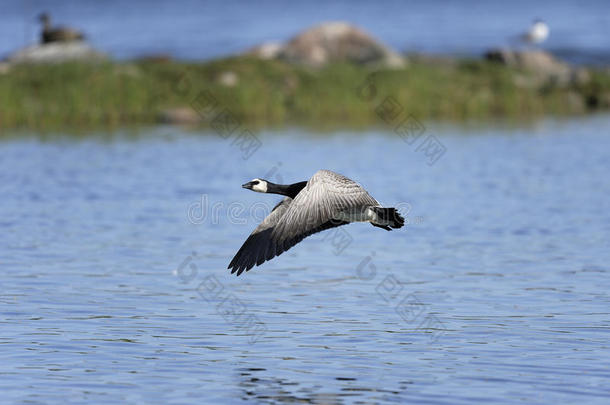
[[289, 190]]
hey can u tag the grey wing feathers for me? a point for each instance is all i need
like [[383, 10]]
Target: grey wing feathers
[[325, 196], [255, 248]]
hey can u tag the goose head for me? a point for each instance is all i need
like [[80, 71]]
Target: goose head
[[258, 185]]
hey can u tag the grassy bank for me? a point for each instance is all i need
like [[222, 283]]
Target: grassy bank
[[265, 93]]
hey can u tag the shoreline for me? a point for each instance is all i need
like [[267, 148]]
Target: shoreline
[[260, 93]]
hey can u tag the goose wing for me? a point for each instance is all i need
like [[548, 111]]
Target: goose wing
[[314, 209], [258, 240]]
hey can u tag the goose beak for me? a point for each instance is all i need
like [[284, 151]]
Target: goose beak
[[248, 185]]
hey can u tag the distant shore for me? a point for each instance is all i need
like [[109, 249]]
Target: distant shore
[[261, 93]]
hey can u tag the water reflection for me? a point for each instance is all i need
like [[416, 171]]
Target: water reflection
[[259, 386]]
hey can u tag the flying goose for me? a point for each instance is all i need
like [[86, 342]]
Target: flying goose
[[325, 201], [57, 34]]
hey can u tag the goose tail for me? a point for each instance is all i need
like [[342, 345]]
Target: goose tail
[[388, 217]]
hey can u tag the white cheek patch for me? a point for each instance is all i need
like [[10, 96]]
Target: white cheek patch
[[261, 187]]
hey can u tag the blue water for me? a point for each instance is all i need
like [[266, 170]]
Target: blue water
[[193, 29], [114, 284]]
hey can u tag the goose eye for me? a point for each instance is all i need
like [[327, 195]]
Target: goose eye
[[255, 182]]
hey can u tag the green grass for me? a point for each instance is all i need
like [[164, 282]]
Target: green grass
[[271, 93]]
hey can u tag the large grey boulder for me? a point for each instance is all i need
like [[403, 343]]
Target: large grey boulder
[[4, 68], [56, 52], [542, 66], [332, 42], [179, 116]]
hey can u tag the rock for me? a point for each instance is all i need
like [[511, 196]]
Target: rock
[[228, 79], [546, 69], [338, 42], [331, 42], [179, 115], [4, 68], [56, 52], [267, 50]]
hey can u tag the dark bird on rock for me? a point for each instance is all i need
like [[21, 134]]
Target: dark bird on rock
[[57, 34]]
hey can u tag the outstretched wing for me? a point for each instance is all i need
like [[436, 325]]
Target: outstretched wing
[[253, 248], [316, 208]]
